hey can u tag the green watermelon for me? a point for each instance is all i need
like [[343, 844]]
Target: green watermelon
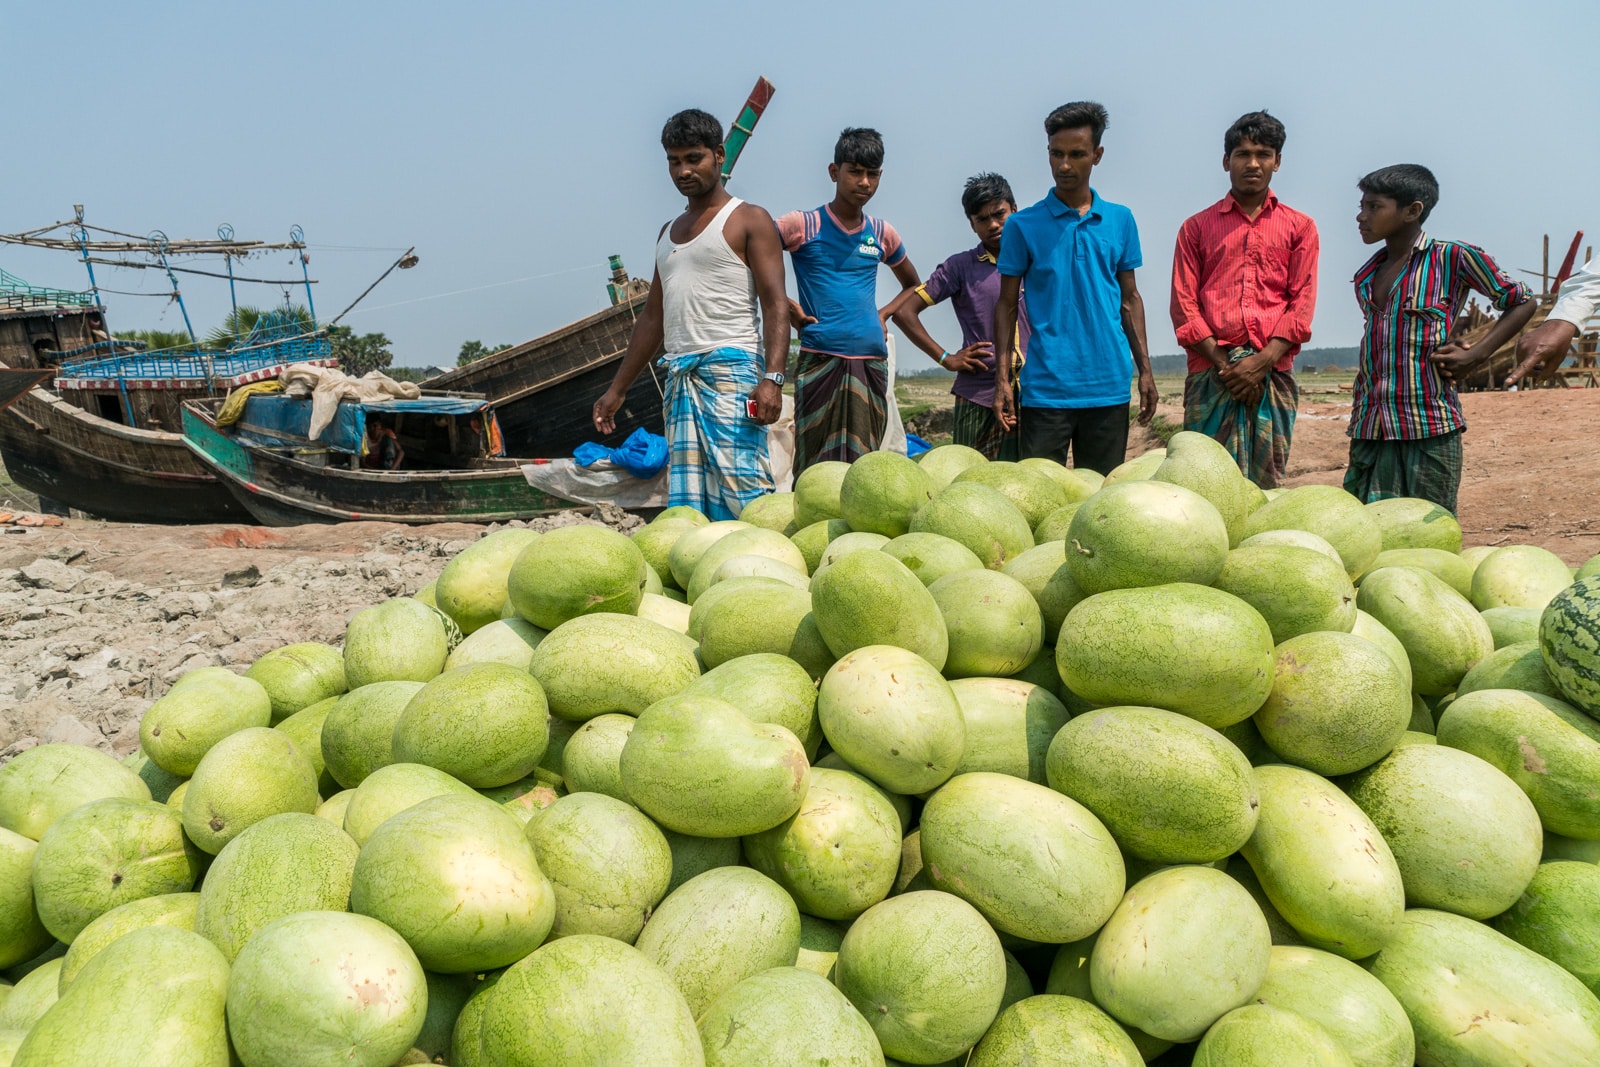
[[1475, 997], [1465, 837], [1559, 918], [1169, 789], [786, 1015], [1549, 748], [719, 928], [927, 973], [1058, 1031], [1356, 1008], [1323, 865], [1036, 863], [837, 856], [1259, 1035], [1569, 640]]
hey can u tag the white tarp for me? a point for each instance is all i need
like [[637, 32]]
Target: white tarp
[[894, 432], [326, 386], [606, 483]]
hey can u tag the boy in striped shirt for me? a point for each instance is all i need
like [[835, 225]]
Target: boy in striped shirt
[[1406, 422], [1244, 288]]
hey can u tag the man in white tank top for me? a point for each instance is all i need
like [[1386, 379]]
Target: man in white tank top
[[717, 306]]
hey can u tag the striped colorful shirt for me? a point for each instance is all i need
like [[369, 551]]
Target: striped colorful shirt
[[836, 272], [1244, 281], [1398, 393]]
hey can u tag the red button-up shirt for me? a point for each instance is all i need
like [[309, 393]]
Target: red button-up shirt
[[1244, 281]]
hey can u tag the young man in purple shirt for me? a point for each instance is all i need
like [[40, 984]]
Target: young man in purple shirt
[[971, 282]]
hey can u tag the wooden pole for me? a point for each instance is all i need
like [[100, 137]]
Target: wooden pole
[[1544, 272]]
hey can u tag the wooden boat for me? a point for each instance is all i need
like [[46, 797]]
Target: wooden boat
[[544, 390], [103, 438], [283, 478], [90, 455], [102, 434]]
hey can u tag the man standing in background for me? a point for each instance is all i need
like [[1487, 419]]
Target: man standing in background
[[1548, 344], [841, 390], [715, 264], [1074, 256], [971, 282], [1244, 287]]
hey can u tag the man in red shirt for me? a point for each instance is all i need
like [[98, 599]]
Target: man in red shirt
[[1244, 287]]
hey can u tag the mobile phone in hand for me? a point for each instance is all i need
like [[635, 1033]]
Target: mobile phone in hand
[[750, 408]]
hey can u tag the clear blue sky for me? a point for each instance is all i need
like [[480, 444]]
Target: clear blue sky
[[513, 140]]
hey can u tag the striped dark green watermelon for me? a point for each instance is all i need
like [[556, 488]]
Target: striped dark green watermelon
[[1569, 641]]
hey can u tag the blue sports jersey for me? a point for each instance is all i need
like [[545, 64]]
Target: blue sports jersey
[[836, 271]]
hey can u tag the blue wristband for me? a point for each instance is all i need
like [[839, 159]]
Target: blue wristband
[[942, 357]]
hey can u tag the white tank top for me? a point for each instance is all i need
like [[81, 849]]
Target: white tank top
[[708, 294]]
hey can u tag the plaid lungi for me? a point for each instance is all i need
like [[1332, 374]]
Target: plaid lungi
[[841, 407], [717, 454], [1428, 468], [1258, 440], [975, 426]]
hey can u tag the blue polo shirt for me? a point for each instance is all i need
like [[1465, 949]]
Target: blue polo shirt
[[1078, 356]]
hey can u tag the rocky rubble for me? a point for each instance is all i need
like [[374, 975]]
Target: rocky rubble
[[84, 653]]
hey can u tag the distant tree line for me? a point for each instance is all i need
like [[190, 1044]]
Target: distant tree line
[[472, 351]]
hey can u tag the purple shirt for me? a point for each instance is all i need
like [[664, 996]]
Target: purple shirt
[[971, 282]]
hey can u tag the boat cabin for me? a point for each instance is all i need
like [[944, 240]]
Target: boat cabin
[[435, 432], [36, 334]]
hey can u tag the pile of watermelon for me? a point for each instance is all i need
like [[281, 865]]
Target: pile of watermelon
[[935, 762]]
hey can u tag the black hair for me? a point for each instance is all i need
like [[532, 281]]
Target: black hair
[[861, 146], [983, 189], [1405, 184], [1076, 115], [690, 128], [1258, 126]]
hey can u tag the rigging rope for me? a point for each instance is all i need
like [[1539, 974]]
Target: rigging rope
[[481, 288]]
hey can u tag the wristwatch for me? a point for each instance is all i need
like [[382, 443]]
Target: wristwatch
[[775, 377]]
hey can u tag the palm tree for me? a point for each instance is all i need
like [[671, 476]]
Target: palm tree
[[156, 340], [238, 324]]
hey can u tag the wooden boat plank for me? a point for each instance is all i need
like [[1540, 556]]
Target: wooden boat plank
[[15, 382]]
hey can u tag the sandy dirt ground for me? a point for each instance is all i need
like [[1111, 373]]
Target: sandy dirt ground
[[98, 619]]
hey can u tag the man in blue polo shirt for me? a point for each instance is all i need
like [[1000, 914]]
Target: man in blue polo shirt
[[1073, 255]]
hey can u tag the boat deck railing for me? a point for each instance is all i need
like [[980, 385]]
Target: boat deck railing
[[18, 295], [102, 350], [225, 363]]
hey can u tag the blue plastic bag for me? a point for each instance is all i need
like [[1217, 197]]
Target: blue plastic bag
[[642, 455], [915, 446]]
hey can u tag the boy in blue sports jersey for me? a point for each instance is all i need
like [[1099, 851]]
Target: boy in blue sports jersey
[[842, 379]]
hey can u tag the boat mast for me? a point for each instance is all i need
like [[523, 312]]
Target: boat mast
[[225, 234], [298, 237], [81, 235], [158, 247], [745, 125]]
